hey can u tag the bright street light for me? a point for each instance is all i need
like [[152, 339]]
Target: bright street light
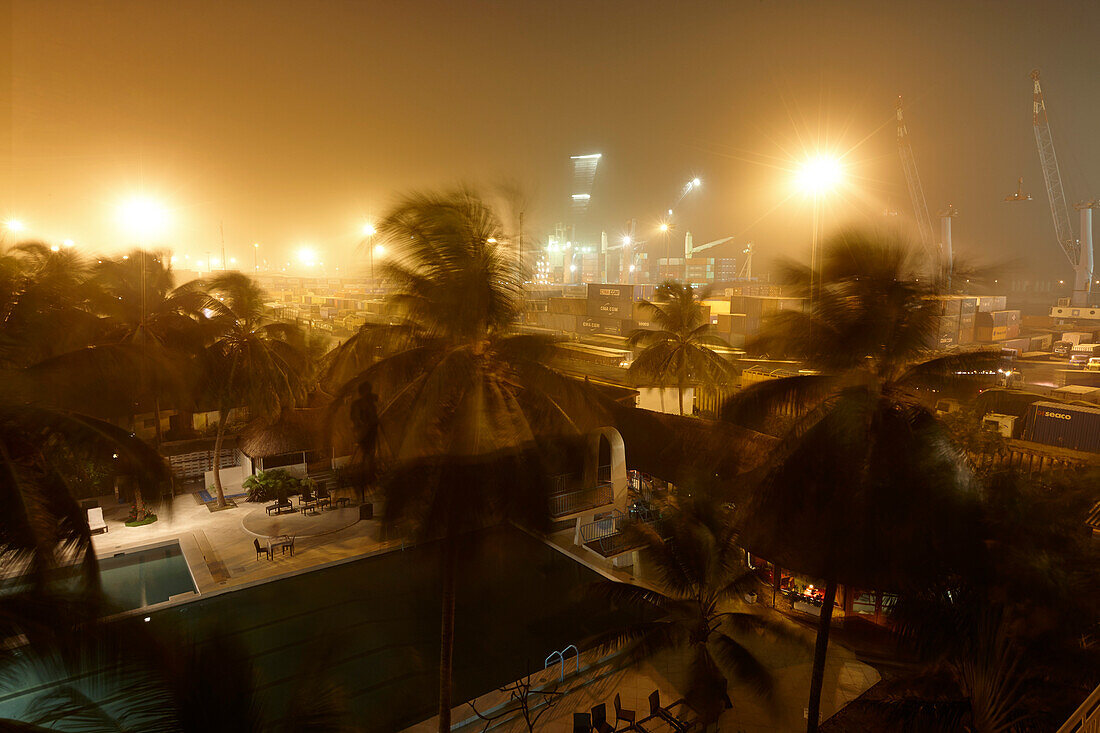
[[368, 230], [626, 239], [307, 256], [143, 216], [379, 250], [55, 247], [68, 243], [663, 227], [819, 174], [15, 226]]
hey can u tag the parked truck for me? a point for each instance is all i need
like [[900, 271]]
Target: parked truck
[[1075, 427]]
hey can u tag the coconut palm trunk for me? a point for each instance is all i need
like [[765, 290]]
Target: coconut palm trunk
[[821, 647], [449, 567], [223, 416]]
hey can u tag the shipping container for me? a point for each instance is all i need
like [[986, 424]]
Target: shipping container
[[968, 306], [610, 308], [718, 305], [605, 326], [612, 292], [1066, 426], [569, 306], [556, 321], [1077, 337], [948, 330], [947, 305], [988, 303], [1041, 342]]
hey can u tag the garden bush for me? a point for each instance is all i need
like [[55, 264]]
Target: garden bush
[[274, 484]]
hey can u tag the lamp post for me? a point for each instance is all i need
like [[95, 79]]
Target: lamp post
[[369, 232], [817, 175], [256, 257], [664, 228], [145, 219]]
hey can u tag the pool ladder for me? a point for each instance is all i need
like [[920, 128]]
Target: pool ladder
[[561, 658]]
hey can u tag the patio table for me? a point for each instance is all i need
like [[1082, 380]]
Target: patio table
[[280, 541]]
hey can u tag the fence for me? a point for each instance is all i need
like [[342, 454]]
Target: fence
[[571, 502]]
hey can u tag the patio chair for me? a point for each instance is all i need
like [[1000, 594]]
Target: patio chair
[[657, 712], [260, 550], [95, 520], [582, 723], [599, 719], [629, 716]]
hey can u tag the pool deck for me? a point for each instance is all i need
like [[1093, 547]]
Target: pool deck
[[218, 545], [219, 549], [789, 662]]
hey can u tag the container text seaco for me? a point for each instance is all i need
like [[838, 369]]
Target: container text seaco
[[1059, 415]]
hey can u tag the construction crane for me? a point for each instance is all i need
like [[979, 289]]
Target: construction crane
[[1080, 258], [916, 192], [745, 273], [690, 251]]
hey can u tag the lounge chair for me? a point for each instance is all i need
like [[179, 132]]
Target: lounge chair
[[599, 719], [95, 520], [657, 712], [629, 716], [260, 550], [582, 723]]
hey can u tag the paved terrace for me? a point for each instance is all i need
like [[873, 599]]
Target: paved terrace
[[219, 545], [219, 548]]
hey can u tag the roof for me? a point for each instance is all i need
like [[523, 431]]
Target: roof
[[295, 430], [1067, 407], [684, 449]]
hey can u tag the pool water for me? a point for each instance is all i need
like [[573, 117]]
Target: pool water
[[373, 624], [139, 578]]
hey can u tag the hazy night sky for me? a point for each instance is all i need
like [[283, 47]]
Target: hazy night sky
[[295, 122]]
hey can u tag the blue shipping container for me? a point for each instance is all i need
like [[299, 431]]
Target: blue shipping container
[[1067, 426]]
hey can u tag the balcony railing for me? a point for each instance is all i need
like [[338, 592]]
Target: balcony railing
[[605, 535], [603, 473], [1086, 719], [571, 502]]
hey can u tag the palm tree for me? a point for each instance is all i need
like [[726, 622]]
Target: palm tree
[[145, 311], [465, 405], [681, 350], [45, 304], [44, 527], [43, 300], [252, 362], [699, 568], [866, 475]]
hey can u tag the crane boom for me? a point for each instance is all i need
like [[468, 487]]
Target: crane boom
[[691, 251], [916, 191], [1059, 210]]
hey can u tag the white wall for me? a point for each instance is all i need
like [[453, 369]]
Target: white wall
[[232, 477], [665, 399]]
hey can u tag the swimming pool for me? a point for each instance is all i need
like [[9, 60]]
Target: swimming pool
[[373, 624], [145, 576]]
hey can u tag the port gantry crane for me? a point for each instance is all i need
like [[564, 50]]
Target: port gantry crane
[[1080, 257], [936, 257]]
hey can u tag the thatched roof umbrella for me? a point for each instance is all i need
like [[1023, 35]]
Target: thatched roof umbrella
[[295, 431]]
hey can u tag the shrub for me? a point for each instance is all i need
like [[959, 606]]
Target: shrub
[[139, 517], [274, 484]]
